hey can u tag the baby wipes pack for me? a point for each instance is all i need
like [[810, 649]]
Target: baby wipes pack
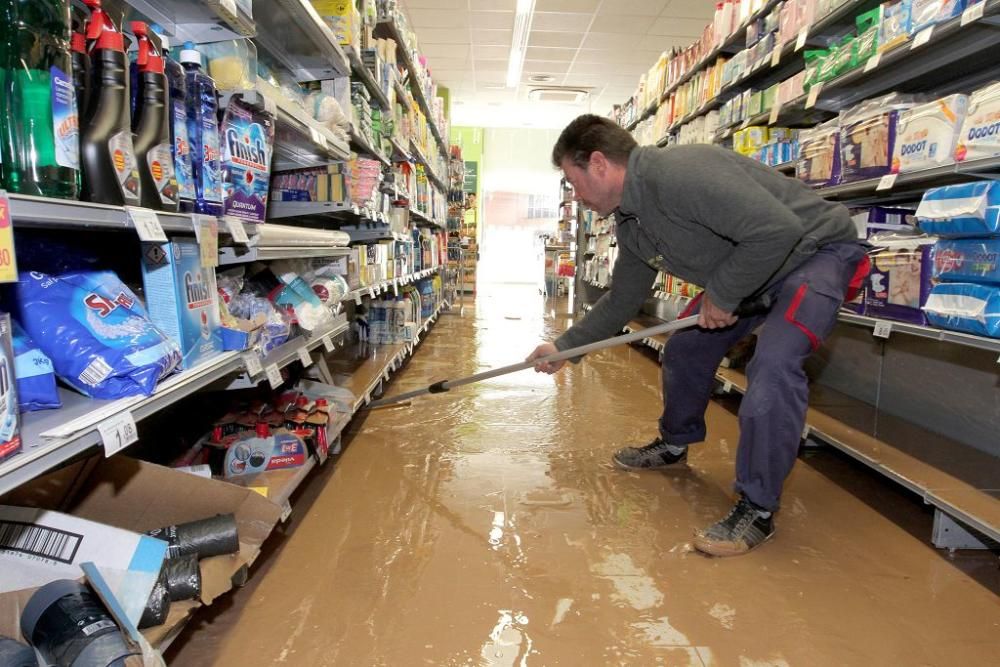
[[968, 260], [980, 134], [36, 377], [247, 140], [182, 298], [965, 307], [967, 209], [10, 425], [927, 134], [96, 332]]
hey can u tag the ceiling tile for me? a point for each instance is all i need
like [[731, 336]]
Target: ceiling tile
[[442, 36], [660, 43], [484, 52], [622, 25], [435, 51], [448, 63], [491, 37], [633, 7], [582, 6], [493, 20], [508, 5], [605, 40], [545, 67], [691, 9], [549, 53], [558, 39], [490, 65], [561, 22], [677, 26], [438, 18], [436, 4]]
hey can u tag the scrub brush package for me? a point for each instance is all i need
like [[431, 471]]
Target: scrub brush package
[[36, 378], [980, 135], [967, 209], [965, 307], [926, 135], [96, 332]]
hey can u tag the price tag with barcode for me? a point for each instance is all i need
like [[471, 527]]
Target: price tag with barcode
[[206, 228], [775, 112], [274, 376], [305, 357], [873, 62], [973, 13], [776, 56], [727, 387], [886, 182], [286, 511], [252, 363], [147, 224], [237, 230], [357, 298], [922, 37], [229, 6], [882, 329], [118, 432], [328, 344], [814, 92], [371, 292], [801, 41]]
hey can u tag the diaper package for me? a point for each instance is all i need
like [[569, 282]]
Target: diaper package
[[96, 332], [927, 134], [874, 219], [868, 136], [899, 283], [968, 260], [926, 13], [965, 307], [967, 209], [896, 26], [36, 378], [819, 155], [980, 135], [10, 422], [183, 299], [248, 137]]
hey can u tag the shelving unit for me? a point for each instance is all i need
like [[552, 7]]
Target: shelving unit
[[361, 72]]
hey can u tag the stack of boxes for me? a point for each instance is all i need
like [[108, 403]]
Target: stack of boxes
[[320, 185]]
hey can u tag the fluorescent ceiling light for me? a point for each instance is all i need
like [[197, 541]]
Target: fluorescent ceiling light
[[519, 44]]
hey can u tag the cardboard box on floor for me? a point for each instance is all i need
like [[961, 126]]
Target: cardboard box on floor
[[139, 496]]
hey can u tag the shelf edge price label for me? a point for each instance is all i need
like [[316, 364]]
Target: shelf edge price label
[[886, 182], [776, 56], [357, 298], [274, 376], [206, 228], [328, 344], [252, 363], [882, 329], [801, 41], [873, 62], [118, 432], [236, 229], [147, 224], [8, 257], [973, 13], [305, 357], [814, 92], [922, 37], [727, 387], [775, 112], [229, 6]]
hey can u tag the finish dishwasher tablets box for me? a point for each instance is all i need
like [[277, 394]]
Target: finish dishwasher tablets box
[[182, 299], [247, 141], [980, 135], [10, 426]]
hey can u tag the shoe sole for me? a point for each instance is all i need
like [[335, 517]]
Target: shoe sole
[[725, 549], [669, 466]]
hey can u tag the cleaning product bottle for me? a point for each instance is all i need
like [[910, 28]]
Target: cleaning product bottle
[[110, 170], [203, 131], [180, 145], [39, 122], [152, 126], [81, 72]]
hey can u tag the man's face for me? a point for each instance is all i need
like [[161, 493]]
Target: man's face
[[595, 185]]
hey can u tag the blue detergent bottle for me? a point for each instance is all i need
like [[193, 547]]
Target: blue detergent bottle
[[203, 132], [180, 143]]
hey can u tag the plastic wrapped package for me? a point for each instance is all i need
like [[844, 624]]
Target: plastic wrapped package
[[819, 155], [182, 576], [899, 282], [814, 61], [967, 209], [214, 536], [929, 12], [157, 606], [96, 332], [868, 30], [868, 136], [842, 57], [896, 25], [965, 307], [927, 134], [980, 134], [36, 378], [967, 260]]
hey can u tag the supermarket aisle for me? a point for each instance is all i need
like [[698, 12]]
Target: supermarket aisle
[[487, 528]]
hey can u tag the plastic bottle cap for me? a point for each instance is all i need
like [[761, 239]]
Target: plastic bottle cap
[[262, 430], [190, 55]]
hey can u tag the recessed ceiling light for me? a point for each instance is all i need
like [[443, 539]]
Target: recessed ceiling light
[[541, 78]]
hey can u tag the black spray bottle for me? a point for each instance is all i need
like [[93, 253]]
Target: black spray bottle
[[151, 124]]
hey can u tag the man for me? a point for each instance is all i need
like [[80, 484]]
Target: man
[[747, 234]]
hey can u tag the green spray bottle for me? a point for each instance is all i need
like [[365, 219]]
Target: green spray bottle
[[39, 122]]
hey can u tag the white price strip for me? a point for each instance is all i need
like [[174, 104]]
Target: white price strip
[[206, 229], [274, 376], [229, 6], [973, 13], [328, 344], [801, 41], [305, 357], [776, 56], [315, 135], [147, 224], [775, 112], [357, 298], [922, 37], [873, 62], [886, 182], [118, 432], [805, 432], [882, 329], [286, 511], [814, 95], [727, 387], [252, 363], [237, 230], [371, 292]]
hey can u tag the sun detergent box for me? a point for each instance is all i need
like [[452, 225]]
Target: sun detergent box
[[182, 299], [247, 140]]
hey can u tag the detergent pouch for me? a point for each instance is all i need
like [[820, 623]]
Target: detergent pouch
[[968, 260], [968, 209], [980, 134], [927, 134], [247, 142], [897, 24], [965, 307], [868, 136], [96, 332], [928, 12], [819, 155], [36, 379]]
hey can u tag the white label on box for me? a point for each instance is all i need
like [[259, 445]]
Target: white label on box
[[886, 182], [775, 112], [274, 376], [973, 13], [118, 432], [882, 329], [776, 56], [873, 62], [252, 363], [814, 92], [801, 41], [305, 357], [327, 343], [229, 6], [922, 37], [147, 224], [237, 230]]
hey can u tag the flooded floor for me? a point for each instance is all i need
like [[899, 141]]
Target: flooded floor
[[486, 527]]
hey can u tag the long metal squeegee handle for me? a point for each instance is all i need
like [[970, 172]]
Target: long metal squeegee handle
[[445, 385]]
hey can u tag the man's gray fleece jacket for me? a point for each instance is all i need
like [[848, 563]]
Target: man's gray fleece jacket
[[711, 217]]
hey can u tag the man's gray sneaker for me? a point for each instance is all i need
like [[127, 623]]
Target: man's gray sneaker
[[746, 528], [657, 454]]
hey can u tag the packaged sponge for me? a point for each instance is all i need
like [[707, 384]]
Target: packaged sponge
[[980, 135], [96, 332], [968, 209], [968, 260], [36, 379], [927, 134], [965, 307]]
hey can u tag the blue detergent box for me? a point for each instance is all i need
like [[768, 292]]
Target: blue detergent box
[[182, 299], [968, 260], [967, 209], [965, 307], [247, 142]]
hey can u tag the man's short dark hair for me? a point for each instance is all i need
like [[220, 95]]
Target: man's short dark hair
[[589, 133]]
